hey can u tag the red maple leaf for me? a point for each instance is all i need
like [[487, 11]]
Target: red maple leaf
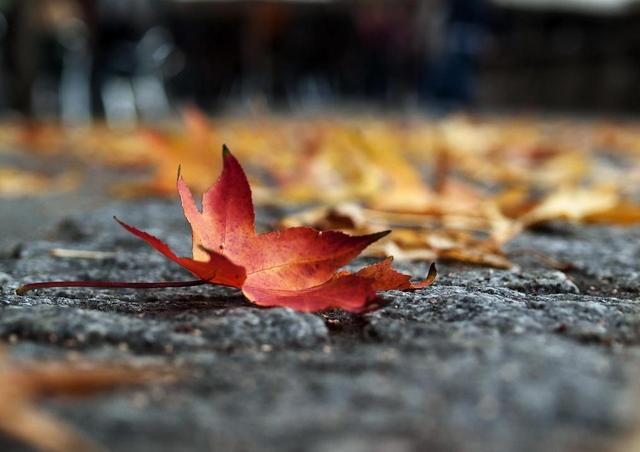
[[294, 267]]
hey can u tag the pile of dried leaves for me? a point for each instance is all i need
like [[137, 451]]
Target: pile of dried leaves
[[457, 188]]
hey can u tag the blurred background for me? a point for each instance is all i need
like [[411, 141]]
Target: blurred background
[[127, 60], [475, 118]]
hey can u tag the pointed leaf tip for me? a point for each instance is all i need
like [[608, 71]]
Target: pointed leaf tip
[[225, 150], [431, 277], [378, 235], [433, 272]]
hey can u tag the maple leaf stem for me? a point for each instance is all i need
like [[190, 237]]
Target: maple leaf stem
[[108, 285]]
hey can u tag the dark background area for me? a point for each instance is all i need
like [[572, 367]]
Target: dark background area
[[131, 60]]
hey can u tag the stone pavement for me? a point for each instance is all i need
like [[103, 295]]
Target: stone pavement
[[531, 359]]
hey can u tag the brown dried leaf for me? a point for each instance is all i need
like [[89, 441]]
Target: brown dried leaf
[[17, 183], [22, 385]]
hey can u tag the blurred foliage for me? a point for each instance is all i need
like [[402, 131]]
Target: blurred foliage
[[456, 188]]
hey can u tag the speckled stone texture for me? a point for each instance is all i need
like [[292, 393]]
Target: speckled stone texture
[[532, 359]]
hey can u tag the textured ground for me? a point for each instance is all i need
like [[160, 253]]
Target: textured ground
[[531, 359]]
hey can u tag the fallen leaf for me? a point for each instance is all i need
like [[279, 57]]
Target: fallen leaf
[[16, 182], [294, 267], [165, 151], [120, 147], [41, 137], [624, 213], [22, 385], [573, 204]]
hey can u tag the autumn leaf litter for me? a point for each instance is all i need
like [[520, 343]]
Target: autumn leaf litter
[[456, 364]]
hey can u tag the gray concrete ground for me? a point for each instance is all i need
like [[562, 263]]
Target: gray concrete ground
[[531, 359]]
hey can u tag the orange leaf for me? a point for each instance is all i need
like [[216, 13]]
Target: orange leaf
[[295, 267]]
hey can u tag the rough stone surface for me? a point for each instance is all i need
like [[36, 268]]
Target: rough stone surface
[[530, 359]]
